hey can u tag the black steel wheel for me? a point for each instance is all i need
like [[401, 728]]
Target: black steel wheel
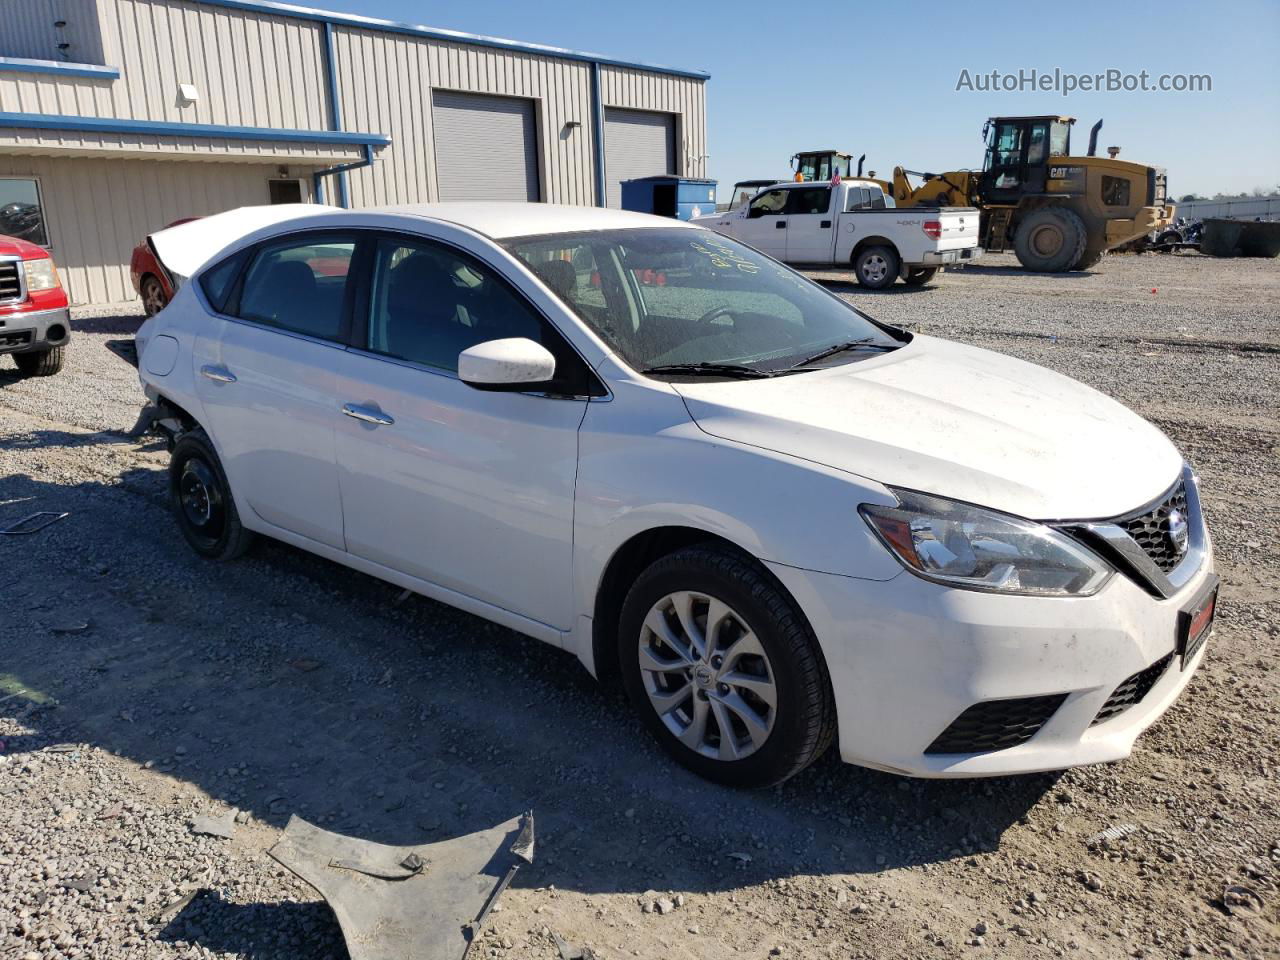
[[202, 501]]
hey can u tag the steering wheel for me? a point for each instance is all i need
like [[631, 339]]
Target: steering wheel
[[713, 313]]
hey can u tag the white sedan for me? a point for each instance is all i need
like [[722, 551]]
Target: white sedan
[[776, 521]]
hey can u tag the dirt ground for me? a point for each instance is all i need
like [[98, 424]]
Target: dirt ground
[[140, 686]]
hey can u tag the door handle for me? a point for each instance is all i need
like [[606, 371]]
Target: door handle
[[368, 415], [825, 224], [219, 373], [781, 225]]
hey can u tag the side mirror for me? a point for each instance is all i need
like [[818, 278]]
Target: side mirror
[[754, 213], [514, 364]]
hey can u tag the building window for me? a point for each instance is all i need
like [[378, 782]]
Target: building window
[[21, 213], [1115, 191]]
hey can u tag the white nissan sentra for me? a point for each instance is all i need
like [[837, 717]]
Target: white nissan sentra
[[776, 521]]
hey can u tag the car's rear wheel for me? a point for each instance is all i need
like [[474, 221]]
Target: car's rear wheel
[[153, 296], [724, 669], [919, 276], [40, 363], [202, 501], [877, 267]]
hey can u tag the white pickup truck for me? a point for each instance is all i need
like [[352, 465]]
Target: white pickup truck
[[852, 222]]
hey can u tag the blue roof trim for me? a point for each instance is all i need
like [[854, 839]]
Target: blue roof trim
[[438, 33], [59, 67], [47, 121]]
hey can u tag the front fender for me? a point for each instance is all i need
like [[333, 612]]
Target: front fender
[[643, 469]]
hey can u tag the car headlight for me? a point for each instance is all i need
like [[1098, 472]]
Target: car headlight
[[41, 275], [966, 546]]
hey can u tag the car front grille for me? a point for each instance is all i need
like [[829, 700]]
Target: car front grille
[[996, 725], [10, 282], [1154, 530], [1133, 691]]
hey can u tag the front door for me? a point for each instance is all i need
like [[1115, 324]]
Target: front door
[[266, 381], [467, 489], [765, 225], [810, 225]]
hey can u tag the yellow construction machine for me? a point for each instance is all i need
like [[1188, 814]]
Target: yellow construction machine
[[1055, 211]]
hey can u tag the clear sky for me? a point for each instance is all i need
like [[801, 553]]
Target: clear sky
[[881, 78]]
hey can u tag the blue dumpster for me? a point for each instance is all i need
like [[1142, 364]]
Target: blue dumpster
[[670, 196]]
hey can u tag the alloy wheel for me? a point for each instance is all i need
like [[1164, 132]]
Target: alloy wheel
[[874, 268], [707, 676]]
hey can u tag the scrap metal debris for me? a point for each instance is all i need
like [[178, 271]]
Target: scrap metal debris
[[571, 951], [424, 902], [224, 826], [1242, 901], [33, 523], [1111, 834]]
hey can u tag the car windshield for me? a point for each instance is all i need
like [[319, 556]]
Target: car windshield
[[677, 297]]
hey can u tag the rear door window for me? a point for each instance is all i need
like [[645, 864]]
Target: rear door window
[[300, 285], [809, 200]]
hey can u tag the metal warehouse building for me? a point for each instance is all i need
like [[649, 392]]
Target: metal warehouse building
[[120, 116]]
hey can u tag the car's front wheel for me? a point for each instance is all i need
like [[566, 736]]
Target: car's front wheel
[[202, 501], [724, 669], [40, 363]]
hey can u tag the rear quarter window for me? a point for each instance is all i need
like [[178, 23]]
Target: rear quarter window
[[218, 281]]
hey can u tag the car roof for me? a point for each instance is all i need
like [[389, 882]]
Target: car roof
[[499, 219]]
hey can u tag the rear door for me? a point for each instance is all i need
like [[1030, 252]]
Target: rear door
[[810, 225], [266, 374]]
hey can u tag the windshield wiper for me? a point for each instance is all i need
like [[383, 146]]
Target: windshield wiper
[[736, 370], [866, 343]]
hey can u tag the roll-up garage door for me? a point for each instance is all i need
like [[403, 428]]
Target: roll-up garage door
[[486, 147], [637, 143]]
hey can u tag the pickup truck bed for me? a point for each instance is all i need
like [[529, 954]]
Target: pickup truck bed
[[850, 223]]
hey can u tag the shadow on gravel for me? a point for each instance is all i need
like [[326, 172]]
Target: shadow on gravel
[[1012, 271], [224, 927], [121, 323], [33, 439], [836, 285], [283, 684]]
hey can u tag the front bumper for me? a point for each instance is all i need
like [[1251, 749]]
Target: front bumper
[[907, 657], [35, 330], [942, 258]]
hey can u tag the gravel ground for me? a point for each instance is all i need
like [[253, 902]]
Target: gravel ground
[[140, 687]]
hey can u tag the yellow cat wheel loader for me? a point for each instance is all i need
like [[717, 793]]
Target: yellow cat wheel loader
[[1055, 211]]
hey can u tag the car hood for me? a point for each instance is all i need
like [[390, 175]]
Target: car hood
[[956, 421], [185, 248]]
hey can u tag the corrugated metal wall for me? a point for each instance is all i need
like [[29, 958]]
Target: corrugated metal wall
[[386, 82], [685, 96], [98, 210], [29, 30], [250, 70]]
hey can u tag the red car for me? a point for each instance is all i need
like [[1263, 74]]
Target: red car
[[150, 278], [35, 324]]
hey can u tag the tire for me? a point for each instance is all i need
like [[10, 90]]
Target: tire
[[1050, 240], [202, 501], [920, 276], [789, 669], [877, 267], [1089, 259], [153, 296], [41, 363], [1169, 236]]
